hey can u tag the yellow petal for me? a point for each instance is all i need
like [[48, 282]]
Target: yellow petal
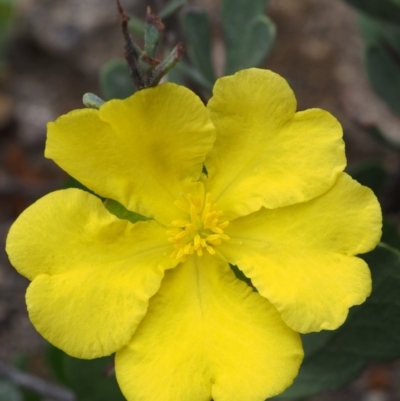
[[142, 151], [207, 335], [265, 153], [301, 257], [92, 273]]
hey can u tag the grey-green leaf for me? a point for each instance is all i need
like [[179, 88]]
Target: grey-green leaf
[[196, 26], [371, 333], [248, 33], [115, 80], [92, 101]]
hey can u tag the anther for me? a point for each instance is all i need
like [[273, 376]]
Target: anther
[[224, 224], [191, 227], [179, 223], [212, 237], [182, 234], [193, 212], [210, 250], [188, 249]]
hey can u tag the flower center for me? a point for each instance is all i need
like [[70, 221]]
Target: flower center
[[201, 230]]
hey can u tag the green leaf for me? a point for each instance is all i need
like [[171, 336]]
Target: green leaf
[[196, 27], [8, 392], [371, 333], [121, 212], [384, 9], [115, 80], [153, 28], [248, 33]]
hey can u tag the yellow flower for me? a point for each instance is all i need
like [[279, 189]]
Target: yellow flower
[[160, 293]]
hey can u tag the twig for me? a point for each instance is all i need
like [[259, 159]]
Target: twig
[[131, 52], [35, 384]]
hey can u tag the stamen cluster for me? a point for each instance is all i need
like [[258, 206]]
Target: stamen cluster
[[202, 229]]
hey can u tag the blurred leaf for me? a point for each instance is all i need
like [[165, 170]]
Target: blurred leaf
[[369, 173], [377, 134], [241, 276], [56, 359], [115, 80], [136, 25], [371, 333], [384, 74], [121, 212], [385, 9], [71, 182], [176, 76], [88, 379], [192, 73], [248, 33], [7, 10], [390, 234], [9, 392], [375, 31], [171, 7], [382, 59], [196, 26], [30, 396]]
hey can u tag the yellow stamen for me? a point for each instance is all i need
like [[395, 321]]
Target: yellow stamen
[[200, 231], [179, 223]]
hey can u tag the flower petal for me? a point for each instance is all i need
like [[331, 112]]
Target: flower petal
[[141, 151], [92, 273], [301, 257], [208, 335], [265, 153]]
